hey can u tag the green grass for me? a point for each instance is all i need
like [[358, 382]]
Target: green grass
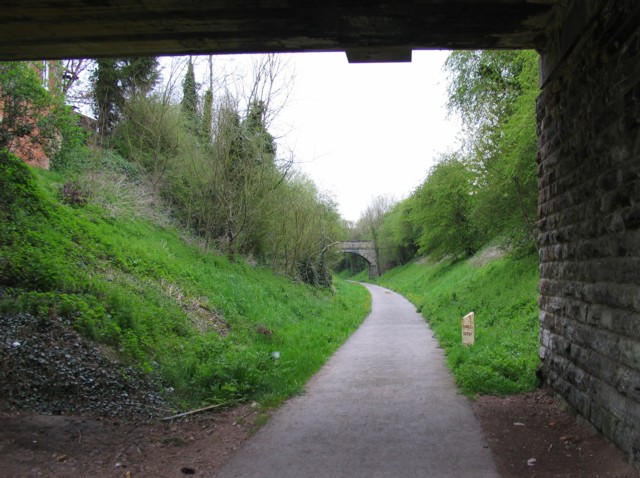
[[503, 295], [362, 276], [209, 327]]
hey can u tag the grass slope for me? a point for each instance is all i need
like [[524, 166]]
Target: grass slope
[[503, 295], [214, 330], [362, 276]]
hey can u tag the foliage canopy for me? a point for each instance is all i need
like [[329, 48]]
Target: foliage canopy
[[487, 190]]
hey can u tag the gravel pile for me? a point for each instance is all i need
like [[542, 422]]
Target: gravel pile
[[47, 367]]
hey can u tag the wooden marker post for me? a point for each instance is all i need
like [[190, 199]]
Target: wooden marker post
[[468, 329]]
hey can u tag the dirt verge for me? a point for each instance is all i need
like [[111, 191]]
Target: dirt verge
[[518, 428], [72, 447], [68, 411], [531, 437]]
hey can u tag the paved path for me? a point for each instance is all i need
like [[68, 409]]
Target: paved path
[[383, 406]]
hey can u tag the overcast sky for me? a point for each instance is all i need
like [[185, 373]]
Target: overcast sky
[[362, 130]]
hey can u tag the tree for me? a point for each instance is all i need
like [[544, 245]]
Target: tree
[[306, 223], [270, 85], [494, 93], [73, 71], [261, 142], [115, 80], [151, 135], [488, 189], [373, 217], [207, 117], [25, 105], [138, 75], [107, 95], [397, 236], [483, 84], [190, 97], [443, 212], [227, 183], [245, 177]]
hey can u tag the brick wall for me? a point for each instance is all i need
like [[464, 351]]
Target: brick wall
[[589, 216], [31, 148]]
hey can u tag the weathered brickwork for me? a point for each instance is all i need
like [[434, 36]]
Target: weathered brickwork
[[589, 218]]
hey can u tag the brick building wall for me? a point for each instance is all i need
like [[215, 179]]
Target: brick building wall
[[589, 216], [33, 148]]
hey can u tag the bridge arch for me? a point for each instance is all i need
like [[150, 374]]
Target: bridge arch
[[364, 249]]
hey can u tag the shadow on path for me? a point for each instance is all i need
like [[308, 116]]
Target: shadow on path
[[384, 405]]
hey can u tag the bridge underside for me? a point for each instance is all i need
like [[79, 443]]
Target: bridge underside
[[384, 30]]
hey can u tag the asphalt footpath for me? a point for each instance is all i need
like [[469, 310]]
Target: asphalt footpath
[[384, 405]]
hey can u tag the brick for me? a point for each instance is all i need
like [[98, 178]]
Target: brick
[[589, 221]]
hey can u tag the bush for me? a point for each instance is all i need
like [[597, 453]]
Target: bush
[[18, 189]]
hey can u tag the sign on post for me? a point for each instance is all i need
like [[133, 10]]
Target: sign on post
[[468, 329]]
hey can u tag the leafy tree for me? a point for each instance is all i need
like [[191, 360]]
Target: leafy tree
[[190, 96], [25, 105], [114, 81], [107, 95], [138, 75], [483, 85], [207, 117], [488, 189], [225, 181], [397, 236], [306, 223], [261, 140], [494, 93], [151, 135], [443, 212], [372, 218], [245, 178]]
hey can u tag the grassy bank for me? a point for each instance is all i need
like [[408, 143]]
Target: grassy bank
[[362, 276], [214, 330], [503, 295]]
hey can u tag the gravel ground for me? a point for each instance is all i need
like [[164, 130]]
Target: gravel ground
[[45, 366]]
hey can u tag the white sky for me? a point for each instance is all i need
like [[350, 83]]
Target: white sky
[[361, 130]]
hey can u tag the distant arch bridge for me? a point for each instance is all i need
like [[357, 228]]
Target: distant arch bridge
[[364, 249]]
